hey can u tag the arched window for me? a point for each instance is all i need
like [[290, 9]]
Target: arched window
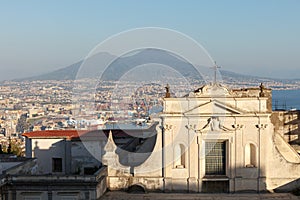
[[179, 156], [250, 155]]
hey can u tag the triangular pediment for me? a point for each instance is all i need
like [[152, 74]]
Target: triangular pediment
[[213, 107]]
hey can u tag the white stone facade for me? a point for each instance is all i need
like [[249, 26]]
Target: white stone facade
[[215, 140]]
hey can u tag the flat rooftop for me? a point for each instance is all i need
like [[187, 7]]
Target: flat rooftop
[[194, 196]]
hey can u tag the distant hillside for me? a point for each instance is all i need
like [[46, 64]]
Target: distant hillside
[[96, 66], [70, 72], [241, 80], [66, 73]]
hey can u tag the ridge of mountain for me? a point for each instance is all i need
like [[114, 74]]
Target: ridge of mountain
[[65, 73], [118, 66]]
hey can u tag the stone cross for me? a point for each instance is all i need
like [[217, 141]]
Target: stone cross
[[215, 68]]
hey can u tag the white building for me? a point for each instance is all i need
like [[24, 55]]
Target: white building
[[213, 140], [63, 152]]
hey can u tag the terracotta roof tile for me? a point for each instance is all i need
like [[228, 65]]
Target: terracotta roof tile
[[68, 134]]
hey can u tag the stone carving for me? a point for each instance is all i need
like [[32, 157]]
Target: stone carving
[[212, 90], [261, 126], [168, 127], [262, 87], [213, 124], [168, 95], [237, 126], [110, 145], [111, 159]]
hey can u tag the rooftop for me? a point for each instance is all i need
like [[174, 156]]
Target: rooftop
[[11, 158], [64, 134], [72, 134]]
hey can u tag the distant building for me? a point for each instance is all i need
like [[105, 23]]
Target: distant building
[[287, 124]]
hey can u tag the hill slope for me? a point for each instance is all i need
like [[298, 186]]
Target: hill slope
[[118, 67]]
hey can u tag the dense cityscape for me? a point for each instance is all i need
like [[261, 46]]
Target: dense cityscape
[[48, 105]]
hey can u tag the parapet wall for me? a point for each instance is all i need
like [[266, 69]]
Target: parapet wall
[[287, 124]]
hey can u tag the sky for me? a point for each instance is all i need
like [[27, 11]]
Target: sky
[[255, 37]]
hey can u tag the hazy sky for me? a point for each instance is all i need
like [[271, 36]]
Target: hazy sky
[[258, 37]]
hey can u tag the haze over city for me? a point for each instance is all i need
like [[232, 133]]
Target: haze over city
[[249, 37], [134, 99]]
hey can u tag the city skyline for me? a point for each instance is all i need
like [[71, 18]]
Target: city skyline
[[253, 37]]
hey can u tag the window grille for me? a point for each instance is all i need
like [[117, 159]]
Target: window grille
[[215, 158]]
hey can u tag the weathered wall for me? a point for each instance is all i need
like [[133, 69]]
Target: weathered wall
[[45, 150], [287, 124], [283, 170], [57, 187], [87, 154]]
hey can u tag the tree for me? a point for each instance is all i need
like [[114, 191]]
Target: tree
[[14, 147], [22, 124]]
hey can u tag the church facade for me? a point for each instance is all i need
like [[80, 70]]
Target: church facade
[[217, 140], [212, 140]]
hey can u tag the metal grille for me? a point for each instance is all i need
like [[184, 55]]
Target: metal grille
[[215, 158]]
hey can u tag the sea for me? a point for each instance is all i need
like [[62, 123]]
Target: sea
[[286, 99]]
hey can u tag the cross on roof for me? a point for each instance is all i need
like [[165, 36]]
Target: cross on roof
[[215, 68]]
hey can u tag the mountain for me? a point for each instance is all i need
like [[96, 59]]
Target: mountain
[[95, 66], [153, 62], [66, 73], [140, 65], [71, 72]]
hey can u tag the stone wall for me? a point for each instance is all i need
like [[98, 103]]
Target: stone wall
[[287, 124], [56, 187]]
